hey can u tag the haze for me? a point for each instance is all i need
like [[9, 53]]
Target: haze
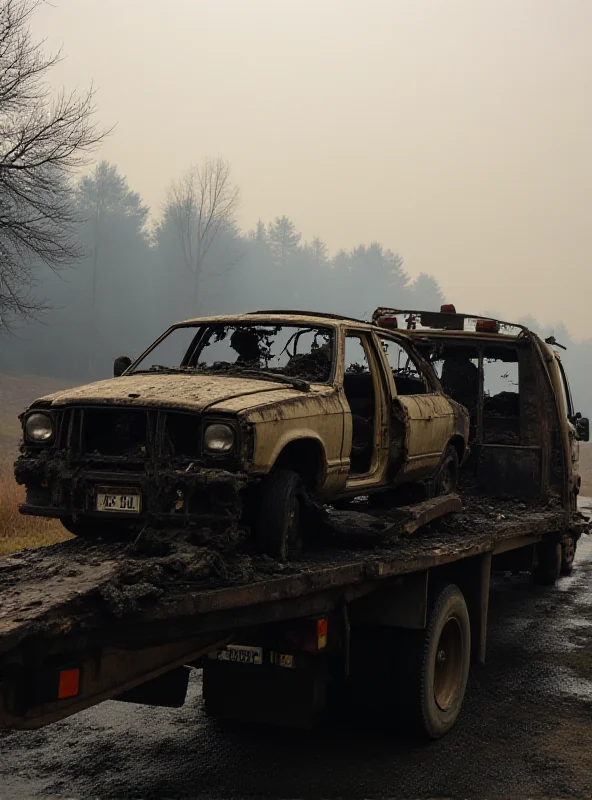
[[456, 133]]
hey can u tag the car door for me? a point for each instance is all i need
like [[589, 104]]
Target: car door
[[419, 402], [365, 394]]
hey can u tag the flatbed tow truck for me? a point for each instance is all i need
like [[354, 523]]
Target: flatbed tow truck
[[381, 621]]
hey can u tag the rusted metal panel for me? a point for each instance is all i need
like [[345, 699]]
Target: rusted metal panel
[[431, 424], [506, 471], [190, 392], [505, 546], [400, 603], [421, 514]]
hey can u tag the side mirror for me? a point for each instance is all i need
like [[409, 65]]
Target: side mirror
[[583, 429], [120, 365]]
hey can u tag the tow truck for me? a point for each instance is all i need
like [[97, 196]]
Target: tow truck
[[381, 619]]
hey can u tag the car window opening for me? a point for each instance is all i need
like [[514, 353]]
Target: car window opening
[[300, 352], [457, 367], [407, 374], [501, 397]]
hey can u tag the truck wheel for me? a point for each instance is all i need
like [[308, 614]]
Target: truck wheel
[[447, 476], [568, 554], [405, 679], [548, 563], [278, 524], [444, 658]]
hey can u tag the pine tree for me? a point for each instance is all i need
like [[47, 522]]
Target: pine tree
[[284, 239]]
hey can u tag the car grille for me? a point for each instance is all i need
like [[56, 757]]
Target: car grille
[[128, 439], [115, 432]]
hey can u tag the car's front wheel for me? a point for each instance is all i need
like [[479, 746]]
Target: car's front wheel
[[278, 525]]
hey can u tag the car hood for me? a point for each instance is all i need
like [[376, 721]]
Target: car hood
[[186, 392]]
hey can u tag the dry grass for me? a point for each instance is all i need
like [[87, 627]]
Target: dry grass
[[18, 532]]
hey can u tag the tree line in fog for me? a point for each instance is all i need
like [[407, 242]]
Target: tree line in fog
[[138, 276]]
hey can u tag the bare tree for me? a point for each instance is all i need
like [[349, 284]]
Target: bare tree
[[202, 205], [44, 139]]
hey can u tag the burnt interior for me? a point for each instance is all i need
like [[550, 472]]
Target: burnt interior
[[360, 392], [115, 432], [182, 435], [510, 408], [407, 374], [487, 381]]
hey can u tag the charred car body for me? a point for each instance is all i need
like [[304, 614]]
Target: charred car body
[[233, 418], [524, 429]]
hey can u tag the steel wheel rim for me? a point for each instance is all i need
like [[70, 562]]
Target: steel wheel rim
[[448, 666]]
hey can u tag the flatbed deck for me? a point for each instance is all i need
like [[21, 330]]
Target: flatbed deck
[[101, 591], [127, 613]]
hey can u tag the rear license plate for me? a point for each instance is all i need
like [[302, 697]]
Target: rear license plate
[[240, 654], [127, 501]]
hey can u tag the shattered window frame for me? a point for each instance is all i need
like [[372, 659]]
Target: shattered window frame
[[272, 327]]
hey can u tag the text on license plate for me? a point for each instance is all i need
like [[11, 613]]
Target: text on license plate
[[242, 654], [126, 500]]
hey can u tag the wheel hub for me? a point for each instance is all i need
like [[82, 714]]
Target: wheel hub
[[448, 664]]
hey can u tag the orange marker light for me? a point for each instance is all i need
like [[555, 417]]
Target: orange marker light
[[69, 683], [322, 628]]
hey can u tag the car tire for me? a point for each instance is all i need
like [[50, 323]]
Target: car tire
[[447, 477], [278, 527]]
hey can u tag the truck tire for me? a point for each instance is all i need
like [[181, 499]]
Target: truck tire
[[278, 529], [548, 565], [568, 553], [447, 477], [414, 680], [443, 658]]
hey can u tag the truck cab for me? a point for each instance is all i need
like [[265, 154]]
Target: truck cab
[[524, 430]]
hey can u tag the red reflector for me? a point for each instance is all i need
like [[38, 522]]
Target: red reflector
[[69, 683], [487, 326], [448, 309], [388, 322], [322, 628]]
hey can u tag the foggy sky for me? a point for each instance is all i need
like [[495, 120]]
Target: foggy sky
[[457, 132]]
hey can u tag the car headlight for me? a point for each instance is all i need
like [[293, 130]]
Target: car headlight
[[218, 438], [39, 427]]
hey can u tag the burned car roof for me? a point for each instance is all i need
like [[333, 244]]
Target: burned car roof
[[286, 318]]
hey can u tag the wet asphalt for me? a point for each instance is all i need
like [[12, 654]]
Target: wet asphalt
[[525, 730]]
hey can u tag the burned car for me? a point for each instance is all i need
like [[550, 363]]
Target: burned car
[[240, 417]]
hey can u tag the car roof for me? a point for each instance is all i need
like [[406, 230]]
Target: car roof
[[279, 317]]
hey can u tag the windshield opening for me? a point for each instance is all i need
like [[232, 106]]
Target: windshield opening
[[294, 351]]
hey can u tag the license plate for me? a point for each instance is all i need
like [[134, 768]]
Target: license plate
[[240, 654], [127, 501]]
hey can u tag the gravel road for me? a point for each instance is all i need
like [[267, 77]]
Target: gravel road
[[525, 731]]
